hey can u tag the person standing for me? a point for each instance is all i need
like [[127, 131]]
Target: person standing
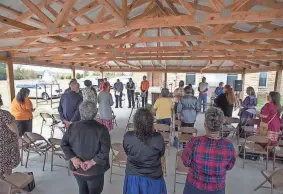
[[188, 108], [69, 88], [220, 89], [22, 109], [203, 89], [118, 87], [9, 145], [270, 114], [105, 102], [163, 108], [226, 101], [178, 94], [102, 84], [131, 92], [87, 144], [69, 105], [144, 149], [208, 157], [144, 90], [89, 92]]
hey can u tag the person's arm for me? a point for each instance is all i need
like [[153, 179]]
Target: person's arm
[[10, 122], [66, 147], [264, 111], [111, 102], [134, 88], [60, 109], [125, 143], [28, 105], [206, 88], [245, 103], [76, 116], [162, 146], [141, 86], [232, 161], [188, 153], [104, 142]]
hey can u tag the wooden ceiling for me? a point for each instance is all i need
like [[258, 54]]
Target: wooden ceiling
[[217, 36]]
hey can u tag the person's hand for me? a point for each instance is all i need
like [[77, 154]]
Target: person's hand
[[88, 164], [67, 123], [76, 162]]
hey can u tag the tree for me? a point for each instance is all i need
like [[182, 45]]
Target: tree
[[79, 76], [68, 76]]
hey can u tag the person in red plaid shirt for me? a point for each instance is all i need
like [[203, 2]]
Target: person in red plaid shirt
[[209, 157]]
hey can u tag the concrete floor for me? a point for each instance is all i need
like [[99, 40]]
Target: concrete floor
[[239, 180]]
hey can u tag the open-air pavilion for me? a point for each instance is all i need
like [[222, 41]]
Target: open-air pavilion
[[208, 36]]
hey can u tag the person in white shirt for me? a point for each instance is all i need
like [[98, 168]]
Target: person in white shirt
[[203, 89]]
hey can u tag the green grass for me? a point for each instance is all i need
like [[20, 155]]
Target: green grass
[[262, 101]]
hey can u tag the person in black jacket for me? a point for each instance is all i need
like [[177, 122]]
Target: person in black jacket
[[145, 149], [226, 101], [87, 144]]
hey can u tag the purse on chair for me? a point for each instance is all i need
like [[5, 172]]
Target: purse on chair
[[31, 185], [263, 127]]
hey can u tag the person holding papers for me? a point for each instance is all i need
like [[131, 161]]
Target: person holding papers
[[118, 87]]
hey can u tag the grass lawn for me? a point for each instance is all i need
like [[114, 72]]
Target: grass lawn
[[262, 101]]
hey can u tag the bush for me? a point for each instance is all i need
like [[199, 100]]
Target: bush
[[62, 77], [68, 77]]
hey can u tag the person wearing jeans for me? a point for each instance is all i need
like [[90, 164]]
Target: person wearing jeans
[[144, 90], [163, 108], [203, 89], [118, 87], [131, 92]]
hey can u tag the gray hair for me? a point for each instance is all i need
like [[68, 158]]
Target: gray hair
[[164, 92], [88, 110], [188, 90], [214, 118]]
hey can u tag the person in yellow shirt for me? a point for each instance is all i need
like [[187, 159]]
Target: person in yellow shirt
[[22, 109], [144, 90], [163, 108]]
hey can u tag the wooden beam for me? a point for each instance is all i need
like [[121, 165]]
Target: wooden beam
[[114, 10], [182, 38], [73, 71], [36, 10], [188, 7], [278, 78], [165, 80], [243, 83], [64, 12], [129, 65], [16, 24], [125, 10], [10, 78], [168, 21], [83, 10]]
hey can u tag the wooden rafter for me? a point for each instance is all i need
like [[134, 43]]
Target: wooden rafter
[[64, 12], [114, 10]]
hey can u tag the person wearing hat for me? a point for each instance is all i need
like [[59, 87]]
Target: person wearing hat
[[69, 89], [89, 93]]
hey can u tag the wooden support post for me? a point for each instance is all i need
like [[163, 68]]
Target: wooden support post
[[165, 79], [243, 83], [74, 71], [10, 78], [278, 78]]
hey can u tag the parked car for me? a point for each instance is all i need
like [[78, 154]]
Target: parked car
[[43, 91]]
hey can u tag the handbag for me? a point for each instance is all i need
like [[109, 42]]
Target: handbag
[[263, 127], [31, 185]]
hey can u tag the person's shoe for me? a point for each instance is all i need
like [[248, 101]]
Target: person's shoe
[[121, 107], [116, 106], [129, 107]]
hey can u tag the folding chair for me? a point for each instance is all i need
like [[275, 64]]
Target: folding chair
[[274, 178], [256, 145], [37, 144], [165, 132], [180, 168], [228, 127], [114, 121], [278, 152], [47, 120], [130, 126], [250, 127], [58, 123], [14, 183], [56, 150], [23, 145], [185, 134], [117, 160], [177, 124]]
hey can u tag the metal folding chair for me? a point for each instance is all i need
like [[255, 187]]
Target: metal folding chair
[[58, 123], [277, 152], [228, 127], [256, 145], [180, 168], [49, 121], [114, 121], [118, 160], [37, 144], [56, 150], [165, 132], [15, 183], [275, 179]]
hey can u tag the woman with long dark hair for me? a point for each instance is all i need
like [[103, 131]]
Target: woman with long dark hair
[[270, 114], [144, 149], [226, 101], [22, 111]]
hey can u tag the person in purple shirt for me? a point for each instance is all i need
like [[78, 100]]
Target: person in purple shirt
[[69, 105], [250, 102]]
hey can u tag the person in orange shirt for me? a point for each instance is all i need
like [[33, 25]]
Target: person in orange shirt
[[144, 90], [22, 111]]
